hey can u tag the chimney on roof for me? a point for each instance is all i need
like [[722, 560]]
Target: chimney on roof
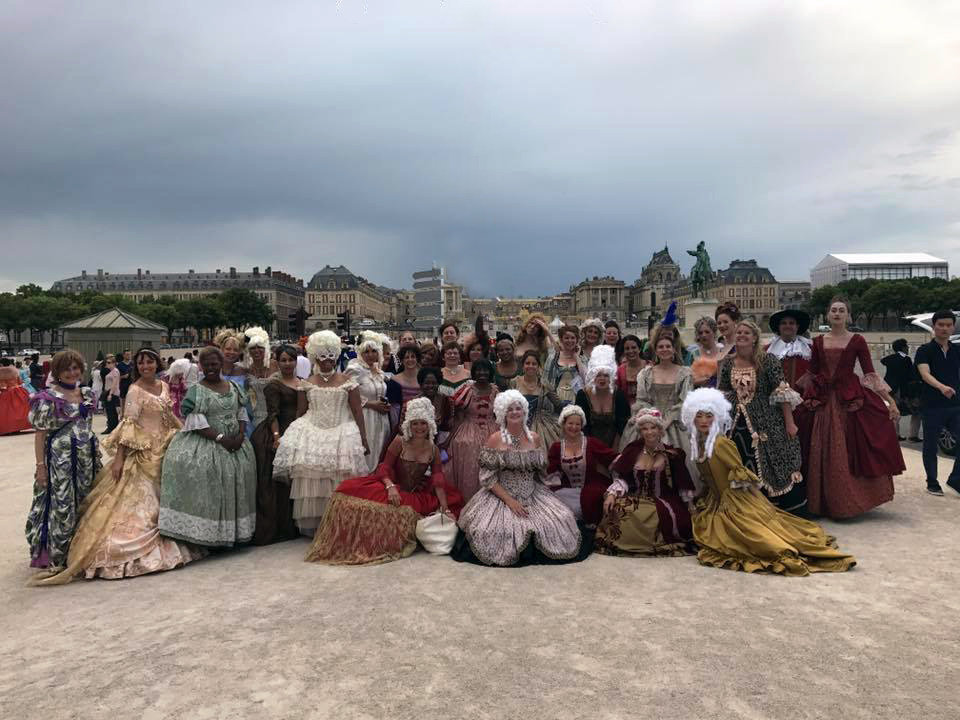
[[139, 274], [148, 273], [83, 274], [99, 272], [218, 271], [268, 271], [190, 271], [233, 272], [256, 271]]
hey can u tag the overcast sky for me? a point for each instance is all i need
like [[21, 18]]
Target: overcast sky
[[522, 145]]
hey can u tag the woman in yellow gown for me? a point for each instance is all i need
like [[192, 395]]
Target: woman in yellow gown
[[736, 526]]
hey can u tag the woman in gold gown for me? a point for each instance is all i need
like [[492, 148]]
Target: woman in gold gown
[[737, 527]]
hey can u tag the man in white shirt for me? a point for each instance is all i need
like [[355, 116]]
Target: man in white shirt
[[303, 365]]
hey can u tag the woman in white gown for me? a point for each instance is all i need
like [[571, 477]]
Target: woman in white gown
[[366, 370], [328, 444]]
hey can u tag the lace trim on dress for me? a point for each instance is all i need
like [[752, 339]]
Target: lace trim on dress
[[195, 421], [206, 532], [785, 394], [874, 382]]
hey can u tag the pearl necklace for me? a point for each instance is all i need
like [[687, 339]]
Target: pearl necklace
[[326, 377]]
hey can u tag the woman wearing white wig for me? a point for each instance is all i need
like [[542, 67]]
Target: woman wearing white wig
[[737, 527], [605, 407], [260, 367], [328, 444], [367, 370], [514, 519], [373, 519]]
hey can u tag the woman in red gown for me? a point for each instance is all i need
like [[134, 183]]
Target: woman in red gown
[[14, 400], [373, 519], [853, 450], [577, 467]]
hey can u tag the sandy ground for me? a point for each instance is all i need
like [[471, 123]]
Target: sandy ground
[[257, 633]]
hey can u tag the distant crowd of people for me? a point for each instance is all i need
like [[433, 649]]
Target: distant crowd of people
[[539, 448]]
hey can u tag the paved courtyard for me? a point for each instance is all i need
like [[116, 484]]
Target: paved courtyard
[[257, 633]]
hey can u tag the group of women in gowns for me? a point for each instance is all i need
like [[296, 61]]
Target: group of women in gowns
[[547, 469]]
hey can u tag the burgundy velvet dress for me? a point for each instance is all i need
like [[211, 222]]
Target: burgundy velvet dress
[[587, 471], [853, 451]]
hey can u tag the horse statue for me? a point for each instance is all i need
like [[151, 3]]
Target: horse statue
[[701, 273]]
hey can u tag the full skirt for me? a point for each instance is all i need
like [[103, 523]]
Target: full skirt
[[642, 526], [315, 461], [740, 529]]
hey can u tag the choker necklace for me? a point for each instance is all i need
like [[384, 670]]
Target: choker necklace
[[515, 439], [67, 386], [327, 377]]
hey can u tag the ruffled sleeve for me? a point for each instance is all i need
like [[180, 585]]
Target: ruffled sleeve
[[874, 382], [134, 403], [192, 408], [42, 413], [783, 393], [489, 462], [617, 488], [129, 435], [739, 477]]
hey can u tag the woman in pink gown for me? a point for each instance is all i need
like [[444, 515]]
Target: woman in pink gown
[[473, 424]]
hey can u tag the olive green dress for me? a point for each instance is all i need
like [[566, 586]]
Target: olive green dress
[[739, 529]]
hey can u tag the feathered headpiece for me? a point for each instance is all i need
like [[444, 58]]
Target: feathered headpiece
[[602, 360], [707, 400], [323, 345], [178, 367], [420, 408], [670, 318], [256, 337]]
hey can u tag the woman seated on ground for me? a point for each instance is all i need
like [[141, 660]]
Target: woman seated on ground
[[737, 527], [577, 467], [645, 509], [373, 519], [514, 519], [118, 535]]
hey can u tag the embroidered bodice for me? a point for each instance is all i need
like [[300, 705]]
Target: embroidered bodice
[[329, 406]]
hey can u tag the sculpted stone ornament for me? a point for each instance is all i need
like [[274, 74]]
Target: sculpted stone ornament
[[701, 273]]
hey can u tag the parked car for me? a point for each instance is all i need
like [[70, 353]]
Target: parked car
[[824, 328], [855, 328], [28, 352]]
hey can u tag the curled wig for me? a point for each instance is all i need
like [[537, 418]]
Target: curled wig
[[502, 403], [713, 402], [572, 409], [420, 408], [602, 360]]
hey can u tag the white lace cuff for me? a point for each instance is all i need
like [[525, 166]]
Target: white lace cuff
[[242, 416], [553, 480], [618, 488], [195, 421], [785, 394]]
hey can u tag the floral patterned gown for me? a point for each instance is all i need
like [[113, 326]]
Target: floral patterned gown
[[498, 537], [73, 460], [118, 535]]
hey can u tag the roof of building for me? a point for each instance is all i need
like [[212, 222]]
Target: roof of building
[[338, 274], [886, 258], [113, 319], [748, 271], [661, 257]]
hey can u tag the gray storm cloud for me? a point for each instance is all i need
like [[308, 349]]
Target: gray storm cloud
[[523, 145]]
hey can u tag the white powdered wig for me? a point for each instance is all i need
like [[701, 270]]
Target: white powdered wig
[[323, 345], [370, 340], [569, 410], [503, 402], [420, 408], [602, 360], [178, 368], [256, 337], [707, 400]]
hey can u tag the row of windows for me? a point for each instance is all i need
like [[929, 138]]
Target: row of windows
[[751, 292], [161, 285], [896, 273]]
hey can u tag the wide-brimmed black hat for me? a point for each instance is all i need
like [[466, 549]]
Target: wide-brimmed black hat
[[803, 320]]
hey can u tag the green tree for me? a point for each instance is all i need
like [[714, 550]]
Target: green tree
[[44, 314], [244, 308], [202, 314], [819, 302], [30, 290], [167, 315]]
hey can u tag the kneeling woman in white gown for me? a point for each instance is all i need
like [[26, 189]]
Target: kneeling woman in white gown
[[514, 519]]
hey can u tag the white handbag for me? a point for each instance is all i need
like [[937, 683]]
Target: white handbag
[[437, 533]]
